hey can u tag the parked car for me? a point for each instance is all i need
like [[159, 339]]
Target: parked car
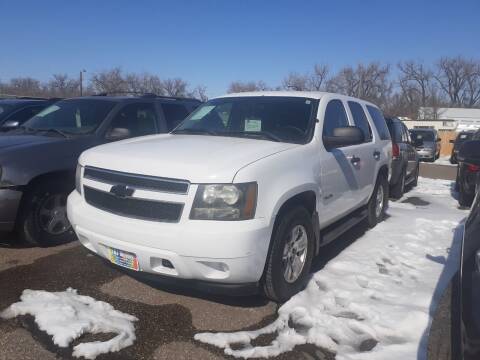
[[15, 111], [243, 193], [38, 160], [466, 283], [405, 161], [467, 174], [428, 143], [459, 140]]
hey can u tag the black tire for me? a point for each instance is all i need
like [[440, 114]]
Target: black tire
[[398, 189], [373, 219], [275, 285], [30, 226], [414, 183]]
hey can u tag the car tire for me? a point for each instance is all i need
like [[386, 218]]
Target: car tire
[[43, 219], [294, 222], [374, 214], [398, 189]]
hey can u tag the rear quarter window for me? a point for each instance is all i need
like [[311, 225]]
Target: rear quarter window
[[379, 122]]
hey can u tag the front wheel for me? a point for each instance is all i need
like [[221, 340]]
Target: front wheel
[[44, 219], [377, 206], [290, 257]]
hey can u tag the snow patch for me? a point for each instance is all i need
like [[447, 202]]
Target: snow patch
[[66, 316], [376, 298]]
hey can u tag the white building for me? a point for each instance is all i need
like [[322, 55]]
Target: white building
[[465, 119]]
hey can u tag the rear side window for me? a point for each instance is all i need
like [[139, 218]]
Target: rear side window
[[379, 122], [360, 119], [174, 114], [335, 117], [138, 119]]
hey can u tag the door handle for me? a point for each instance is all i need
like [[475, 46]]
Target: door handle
[[376, 155], [355, 160]]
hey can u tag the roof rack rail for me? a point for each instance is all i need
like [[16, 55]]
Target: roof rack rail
[[145, 95], [10, 96]]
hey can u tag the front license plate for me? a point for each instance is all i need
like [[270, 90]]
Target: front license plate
[[123, 258]]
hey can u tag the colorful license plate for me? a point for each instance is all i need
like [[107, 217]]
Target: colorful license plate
[[123, 258]]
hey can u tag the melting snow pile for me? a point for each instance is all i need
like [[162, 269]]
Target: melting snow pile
[[66, 316], [375, 299]]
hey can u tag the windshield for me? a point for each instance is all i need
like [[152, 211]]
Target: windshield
[[285, 119], [75, 116], [425, 135], [463, 137]]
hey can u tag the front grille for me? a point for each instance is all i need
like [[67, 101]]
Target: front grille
[[137, 181], [133, 207]]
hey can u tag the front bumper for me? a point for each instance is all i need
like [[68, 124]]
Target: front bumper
[[224, 252], [9, 204], [426, 153]]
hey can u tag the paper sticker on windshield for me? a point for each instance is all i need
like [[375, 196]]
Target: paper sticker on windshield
[[307, 102], [253, 125], [202, 112]]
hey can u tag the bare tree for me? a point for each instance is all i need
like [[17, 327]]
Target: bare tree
[[472, 93], [369, 82], [200, 93], [60, 85], [144, 83], [239, 86], [318, 79], [25, 86], [175, 87], [415, 79], [297, 82], [109, 81]]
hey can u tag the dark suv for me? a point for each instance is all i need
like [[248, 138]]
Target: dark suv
[[405, 162], [38, 160], [459, 140], [15, 111], [467, 174]]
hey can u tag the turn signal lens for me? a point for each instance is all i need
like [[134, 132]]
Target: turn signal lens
[[473, 168], [395, 151]]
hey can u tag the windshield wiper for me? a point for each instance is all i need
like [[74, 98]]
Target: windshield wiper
[[195, 132], [257, 134]]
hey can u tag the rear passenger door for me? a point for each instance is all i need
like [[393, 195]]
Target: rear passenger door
[[410, 151], [366, 152]]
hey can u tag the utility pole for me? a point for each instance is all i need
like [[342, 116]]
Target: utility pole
[[81, 81]]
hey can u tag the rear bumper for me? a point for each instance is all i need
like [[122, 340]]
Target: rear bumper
[[9, 204], [231, 253]]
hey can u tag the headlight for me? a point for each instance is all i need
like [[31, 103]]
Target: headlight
[[78, 177], [225, 202]]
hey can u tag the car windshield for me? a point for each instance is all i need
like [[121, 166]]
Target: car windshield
[[275, 118], [464, 137], [425, 135], [75, 116]]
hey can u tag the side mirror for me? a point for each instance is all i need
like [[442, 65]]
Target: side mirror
[[452, 141], [344, 136], [11, 124], [118, 134], [470, 152]]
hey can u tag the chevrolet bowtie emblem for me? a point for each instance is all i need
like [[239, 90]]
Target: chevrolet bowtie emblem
[[122, 191]]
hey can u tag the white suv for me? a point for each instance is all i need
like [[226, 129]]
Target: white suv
[[243, 193]]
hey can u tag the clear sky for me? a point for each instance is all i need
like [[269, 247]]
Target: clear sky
[[213, 42]]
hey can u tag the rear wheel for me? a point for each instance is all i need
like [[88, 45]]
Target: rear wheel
[[44, 219], [399, 188], [290, 257], [377, 206]]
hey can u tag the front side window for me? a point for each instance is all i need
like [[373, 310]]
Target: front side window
[[379, 122], [174, 114], [136, 120], [26, 113], [274, 118], [76, 116], [335, 117], [360, 119]]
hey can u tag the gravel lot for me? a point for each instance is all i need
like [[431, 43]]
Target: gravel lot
[[168, 317]]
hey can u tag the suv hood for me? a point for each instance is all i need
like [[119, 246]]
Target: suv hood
[[197, 158], [14, 141]]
